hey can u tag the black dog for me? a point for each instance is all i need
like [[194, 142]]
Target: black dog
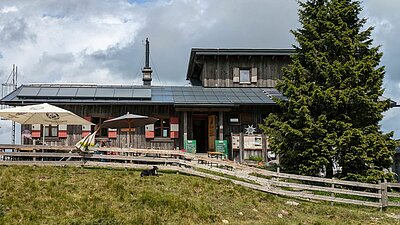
[[151, 172]]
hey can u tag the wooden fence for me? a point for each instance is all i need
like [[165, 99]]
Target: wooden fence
[[335, 191]]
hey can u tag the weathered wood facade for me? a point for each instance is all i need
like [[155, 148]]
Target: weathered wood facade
[[231, 90], [221, 67]]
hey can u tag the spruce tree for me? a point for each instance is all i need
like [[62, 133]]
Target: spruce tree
[[333, 88]]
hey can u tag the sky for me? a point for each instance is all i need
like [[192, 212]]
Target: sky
[[102, 41]]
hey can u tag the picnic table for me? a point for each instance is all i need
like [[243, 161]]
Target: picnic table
[[215, 155]]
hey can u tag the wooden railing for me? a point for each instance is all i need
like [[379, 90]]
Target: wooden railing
[[332, 190]]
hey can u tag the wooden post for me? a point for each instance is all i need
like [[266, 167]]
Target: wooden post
[[221, 125], [380, 193], [332, 193], [241, 147], [264, 149], [185, 128], [384, 195]]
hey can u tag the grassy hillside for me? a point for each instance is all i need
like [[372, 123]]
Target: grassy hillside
[[54, 195]]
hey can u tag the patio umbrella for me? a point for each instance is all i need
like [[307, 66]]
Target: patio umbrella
[[42, 114], [128, 121], [87, 141]]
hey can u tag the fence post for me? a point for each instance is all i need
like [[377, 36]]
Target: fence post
[[380, 193], [332, 193], [241, 148], [385, 199]]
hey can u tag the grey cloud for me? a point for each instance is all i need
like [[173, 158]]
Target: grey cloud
[[16, 32]]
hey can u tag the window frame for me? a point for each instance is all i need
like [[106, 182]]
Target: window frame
[[248, 70], [159, 127], [50, 131]]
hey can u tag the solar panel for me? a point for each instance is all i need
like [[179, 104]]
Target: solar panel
[[142, 93], [179, 99], [157, 98], [48, 92], [123, 93], [104, 93], [190, 98], [167, 98], [178, 93], [67, 92], [212, 98], [272, 91], [85, 92], [29, 91], [201, 98]]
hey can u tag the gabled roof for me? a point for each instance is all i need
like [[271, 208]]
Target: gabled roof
[[195, 52], [139, 95]]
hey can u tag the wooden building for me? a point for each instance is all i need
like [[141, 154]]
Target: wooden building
[[231, 90]]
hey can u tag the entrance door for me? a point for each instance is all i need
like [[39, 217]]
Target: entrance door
[[200, 134]]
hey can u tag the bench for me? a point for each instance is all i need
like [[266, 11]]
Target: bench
[[215, 155]]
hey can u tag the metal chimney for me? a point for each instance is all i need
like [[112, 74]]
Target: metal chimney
[[147, 69]]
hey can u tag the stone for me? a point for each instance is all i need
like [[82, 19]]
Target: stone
[[225, 221], [240, 213]]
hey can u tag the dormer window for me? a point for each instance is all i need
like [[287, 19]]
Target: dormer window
[[244, 76]]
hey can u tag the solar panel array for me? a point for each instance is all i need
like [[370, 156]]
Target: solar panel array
[[199, 95], [85, 92], [186, 95]]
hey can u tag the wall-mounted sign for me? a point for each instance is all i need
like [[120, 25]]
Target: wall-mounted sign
[[127, 130], [234, 120]]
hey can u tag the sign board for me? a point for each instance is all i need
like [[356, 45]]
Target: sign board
[[252, 142], [127, 130], [190, 146], [221, 146], [235, 142]]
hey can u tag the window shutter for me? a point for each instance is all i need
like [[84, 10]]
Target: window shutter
[[36, 130], [86, 129], [174, 126], [149, 131], [62, 131], [253, 75], [236, 75], [112, 133]]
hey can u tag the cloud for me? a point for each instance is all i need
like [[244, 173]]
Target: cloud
[[8, 9], [16, 32], [101, 41]]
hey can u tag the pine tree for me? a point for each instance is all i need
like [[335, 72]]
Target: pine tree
[[333, 88]]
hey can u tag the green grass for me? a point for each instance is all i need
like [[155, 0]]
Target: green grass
[[56, 195], [226, 175]]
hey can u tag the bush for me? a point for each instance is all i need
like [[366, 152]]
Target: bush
[[256, 158]]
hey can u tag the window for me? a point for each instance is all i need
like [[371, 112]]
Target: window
[[244, 76], [161, 128], [51, 131]]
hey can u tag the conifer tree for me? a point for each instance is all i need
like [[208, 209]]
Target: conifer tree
[[333, 88]]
